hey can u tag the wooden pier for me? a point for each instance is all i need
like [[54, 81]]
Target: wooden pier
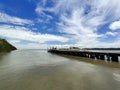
[[112, 57]]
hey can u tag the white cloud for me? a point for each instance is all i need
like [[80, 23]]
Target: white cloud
[[81, 30], [115, 25], [31, 46], [14, 41], [5, 18], [112, 33], [22, 33], [39, 10], [23, 45], [42, 16], [97, 6]]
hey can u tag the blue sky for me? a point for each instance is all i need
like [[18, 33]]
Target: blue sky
[[32, 24]]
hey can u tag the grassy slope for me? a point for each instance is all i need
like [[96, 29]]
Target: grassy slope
[[5, 46]]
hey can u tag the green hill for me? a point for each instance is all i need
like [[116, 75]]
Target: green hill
[[6, 46]]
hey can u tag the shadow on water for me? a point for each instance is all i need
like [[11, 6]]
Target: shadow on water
[[93, 61]]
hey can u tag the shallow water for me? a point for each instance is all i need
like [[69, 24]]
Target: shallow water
[[39, 70]]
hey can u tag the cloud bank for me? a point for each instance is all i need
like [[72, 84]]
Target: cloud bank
[[80, 20], [84, 23]]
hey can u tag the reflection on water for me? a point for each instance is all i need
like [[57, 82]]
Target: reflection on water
[[39, 70]]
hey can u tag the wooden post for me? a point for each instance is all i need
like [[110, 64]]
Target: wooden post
[[115, 58]]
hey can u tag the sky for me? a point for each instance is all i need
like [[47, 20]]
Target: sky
[[39, 24]]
